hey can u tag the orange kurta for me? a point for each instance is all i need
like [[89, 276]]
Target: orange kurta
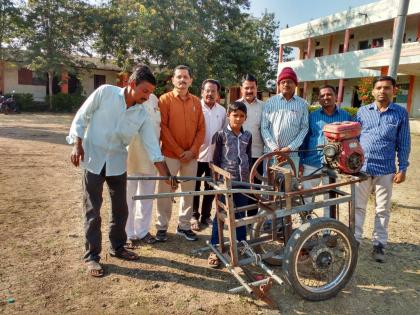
[[182, 124]]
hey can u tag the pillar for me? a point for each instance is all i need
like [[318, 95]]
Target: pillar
[[330, 44], [281, 54], [384, 70], [410, 93], [341, 83], [308, 56]]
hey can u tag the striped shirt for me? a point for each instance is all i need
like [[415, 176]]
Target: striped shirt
[[384, 135], [315, 137], [284, 123], [253, 125]]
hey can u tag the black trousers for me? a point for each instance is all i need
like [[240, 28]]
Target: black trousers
[[253, 212], [92, 202], [202, 169]]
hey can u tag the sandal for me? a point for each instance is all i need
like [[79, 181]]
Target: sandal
[[148, 239], [195, 225], [132, 244], [125, 255], [94, 269], [213, 261]]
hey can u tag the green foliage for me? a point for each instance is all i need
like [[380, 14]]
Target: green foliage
[[312, 108], [55, 31], [351, 110], [216, 38], [10, 25], [67, 102]]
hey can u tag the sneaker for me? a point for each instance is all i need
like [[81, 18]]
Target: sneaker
[[148, 239], [378, 253], [161, 236], [206, 223], [188, 234]]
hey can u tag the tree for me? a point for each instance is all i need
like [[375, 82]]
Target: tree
[[55, 32], [216, 38], [10, 22]]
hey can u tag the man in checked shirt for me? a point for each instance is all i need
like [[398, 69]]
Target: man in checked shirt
[[385, 133]]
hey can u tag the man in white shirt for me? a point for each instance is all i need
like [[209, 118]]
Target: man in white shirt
[[254, 108], [214, 116], [140, 211], [101, 130]]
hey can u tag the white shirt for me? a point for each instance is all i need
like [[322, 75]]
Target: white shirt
[[106, 127], [137, 161], [253, 125], [215, 119]]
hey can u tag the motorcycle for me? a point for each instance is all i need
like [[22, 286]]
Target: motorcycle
[[8, 105]]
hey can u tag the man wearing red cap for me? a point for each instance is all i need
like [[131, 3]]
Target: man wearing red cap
[[284, 121]]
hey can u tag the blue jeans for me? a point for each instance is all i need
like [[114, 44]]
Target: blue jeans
[[239, 200]]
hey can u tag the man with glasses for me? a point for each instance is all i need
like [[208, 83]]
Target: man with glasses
[[284, 121]]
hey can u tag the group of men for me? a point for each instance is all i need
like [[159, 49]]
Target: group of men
[[174, 135]]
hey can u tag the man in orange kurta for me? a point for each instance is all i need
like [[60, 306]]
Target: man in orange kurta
[[182, 133]]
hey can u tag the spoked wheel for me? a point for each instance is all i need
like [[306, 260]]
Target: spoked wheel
[[320, 258], [264, 229]]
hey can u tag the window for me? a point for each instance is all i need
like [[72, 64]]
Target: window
[[27, 77], [98, 80], [24, 76], [378, 42], [319, 52], [364, 44], [341, 48]]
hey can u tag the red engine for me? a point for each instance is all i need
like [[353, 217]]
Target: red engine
[[343, 150]]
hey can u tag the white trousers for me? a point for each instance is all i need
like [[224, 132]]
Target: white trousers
[[382, 187], [164, 205], [139, 211], [309, 170]]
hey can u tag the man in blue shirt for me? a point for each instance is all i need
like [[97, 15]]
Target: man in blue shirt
[[385, 134], [101, 130], [311, 161]]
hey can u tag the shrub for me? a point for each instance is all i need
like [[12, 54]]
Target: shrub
[[26, 103], [351, 110], [66, 102]]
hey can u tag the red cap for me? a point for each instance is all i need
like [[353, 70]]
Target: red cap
[[287, 73]]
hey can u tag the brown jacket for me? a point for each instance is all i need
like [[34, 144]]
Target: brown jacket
[[182, 124]]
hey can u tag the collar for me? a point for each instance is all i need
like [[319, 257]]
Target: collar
[[230, 129], [293, 96], [335, 111], [373, 106], [204, 105], [255, 101], [176, 93]]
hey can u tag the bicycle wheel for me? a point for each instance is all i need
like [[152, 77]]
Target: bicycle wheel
[[320, 258]]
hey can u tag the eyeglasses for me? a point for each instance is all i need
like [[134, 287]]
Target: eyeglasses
[[284, 82]]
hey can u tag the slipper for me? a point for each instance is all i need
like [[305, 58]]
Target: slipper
[[94, 269], [195, 225], [125, 255], [213, 261]]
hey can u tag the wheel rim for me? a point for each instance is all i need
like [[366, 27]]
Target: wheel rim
[[323, 260]]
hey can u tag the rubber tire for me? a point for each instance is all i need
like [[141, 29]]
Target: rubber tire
[[258, 249], [296, 240]]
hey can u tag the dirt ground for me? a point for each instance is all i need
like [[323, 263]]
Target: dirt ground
[[41, 244]]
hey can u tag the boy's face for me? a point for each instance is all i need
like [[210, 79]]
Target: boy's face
[[236, 119]]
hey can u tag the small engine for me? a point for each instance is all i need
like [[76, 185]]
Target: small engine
[[343, 151]]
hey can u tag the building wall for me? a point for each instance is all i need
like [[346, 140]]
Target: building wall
[[11, 83], [87, 79], [415, 106]]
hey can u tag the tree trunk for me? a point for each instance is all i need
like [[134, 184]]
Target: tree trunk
[[50, 88]]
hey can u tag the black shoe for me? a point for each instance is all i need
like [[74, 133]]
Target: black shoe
[[378, 253], [188, 234], [161, 236]]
